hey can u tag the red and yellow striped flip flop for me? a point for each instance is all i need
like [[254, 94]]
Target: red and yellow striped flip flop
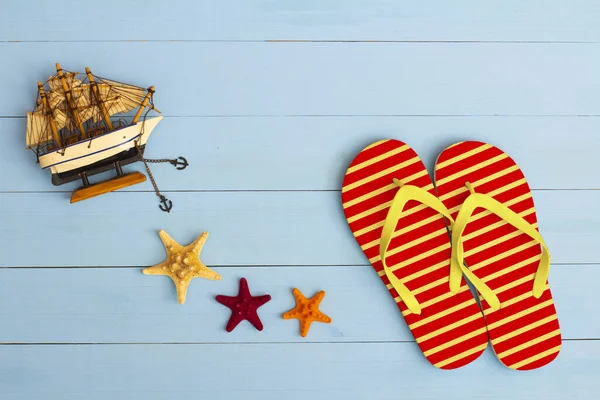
[[495, 233], [388, 198]]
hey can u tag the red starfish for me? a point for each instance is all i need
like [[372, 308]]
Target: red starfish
[[244, 306]]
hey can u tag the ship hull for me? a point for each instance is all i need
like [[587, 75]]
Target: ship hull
[[98, 154], [108, 164]]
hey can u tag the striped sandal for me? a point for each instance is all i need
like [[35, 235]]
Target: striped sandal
[[496, 234], [389, 202]]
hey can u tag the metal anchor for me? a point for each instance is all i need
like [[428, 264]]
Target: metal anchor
[[166, 204], [179, 164]]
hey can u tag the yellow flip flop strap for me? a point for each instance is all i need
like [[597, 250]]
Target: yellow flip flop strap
[[403, 195], [472, 202]]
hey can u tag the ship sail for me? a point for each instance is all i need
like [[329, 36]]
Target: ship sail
[[56, 85], [80, 98], [38, 129], [119, 98], [69, 107]]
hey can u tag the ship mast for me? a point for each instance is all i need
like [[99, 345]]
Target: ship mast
[[138, 114], [69, 97], [103, 110], [49, 113]]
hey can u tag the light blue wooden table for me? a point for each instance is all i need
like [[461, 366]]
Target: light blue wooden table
[[269, 101]]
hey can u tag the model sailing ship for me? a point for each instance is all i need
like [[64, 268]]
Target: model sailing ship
[[78, 128]]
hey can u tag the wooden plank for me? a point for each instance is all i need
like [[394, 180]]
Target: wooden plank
[[212, 79], [120, 305], [375, 371], [312, 153], [472, 20], [246, 228]]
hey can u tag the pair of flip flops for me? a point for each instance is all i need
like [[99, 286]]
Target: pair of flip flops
[[477, 221]]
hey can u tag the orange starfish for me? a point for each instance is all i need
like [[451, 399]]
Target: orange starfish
[[307, 311]]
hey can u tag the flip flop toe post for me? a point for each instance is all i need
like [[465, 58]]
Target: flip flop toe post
[[388, 199], [496, 236]]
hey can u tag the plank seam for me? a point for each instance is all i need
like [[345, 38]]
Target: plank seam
[[364, 116], [235, 343], [291, 41], [564, 264]]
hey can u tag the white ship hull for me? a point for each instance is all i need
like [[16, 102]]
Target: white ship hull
[[93, 150]]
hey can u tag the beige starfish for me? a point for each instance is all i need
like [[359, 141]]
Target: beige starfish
[[182, 264]]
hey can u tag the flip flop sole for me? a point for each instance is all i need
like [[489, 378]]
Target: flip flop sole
[[524, 332], [450, 329]]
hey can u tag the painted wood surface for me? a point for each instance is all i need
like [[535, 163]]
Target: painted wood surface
[[250, 79], [270, 101], [121, 305], [239, 20]]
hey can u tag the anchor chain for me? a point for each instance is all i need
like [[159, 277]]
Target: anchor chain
[[179, 163]]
